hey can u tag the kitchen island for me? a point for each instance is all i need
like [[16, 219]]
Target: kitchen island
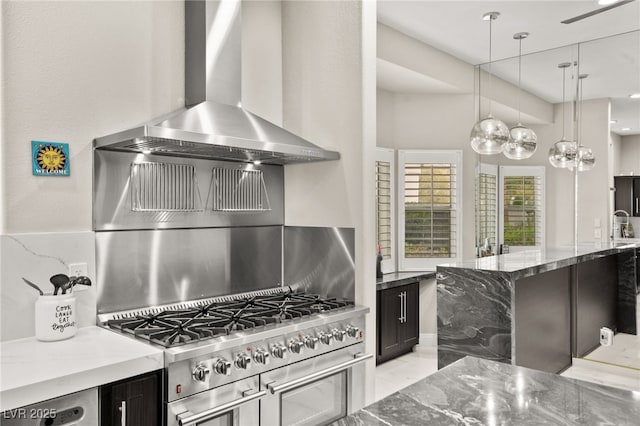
[[535, 308], [477, 391]]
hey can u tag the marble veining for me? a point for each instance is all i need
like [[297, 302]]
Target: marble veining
[[37, 257], [474, 315], [475, 391]]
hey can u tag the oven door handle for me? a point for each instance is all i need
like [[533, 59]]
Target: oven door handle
[[188, 419], [358, 358]]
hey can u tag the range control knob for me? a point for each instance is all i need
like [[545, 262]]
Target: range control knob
[[222, 367], [325, 338], [261, 356], [279, 351], [311, 342], [352, 331], [242, 361], [200, 373], [338, 334], [295, 346]]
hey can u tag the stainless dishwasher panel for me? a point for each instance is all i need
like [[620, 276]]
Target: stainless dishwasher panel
[[80, 408]]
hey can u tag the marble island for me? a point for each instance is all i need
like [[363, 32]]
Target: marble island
[[473, 391], [536, 308], [529, 262]]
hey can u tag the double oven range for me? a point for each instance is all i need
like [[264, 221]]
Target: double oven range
[[273, 357]]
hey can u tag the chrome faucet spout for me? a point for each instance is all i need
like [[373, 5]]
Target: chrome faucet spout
[[613, 223]]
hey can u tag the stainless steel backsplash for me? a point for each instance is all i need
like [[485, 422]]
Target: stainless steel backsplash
[[153, 267], [320, 260], [161, 238]]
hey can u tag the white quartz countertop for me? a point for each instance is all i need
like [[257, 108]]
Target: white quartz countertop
[[556, 256], [33, 371]]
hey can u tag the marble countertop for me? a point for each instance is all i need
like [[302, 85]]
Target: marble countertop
[[395, 279], [551, 257], [33, 371], [475, 391]]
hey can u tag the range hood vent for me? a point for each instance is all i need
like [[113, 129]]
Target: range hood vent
[[213, 125]]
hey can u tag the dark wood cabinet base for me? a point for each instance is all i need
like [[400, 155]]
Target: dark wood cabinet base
[[397, 321]]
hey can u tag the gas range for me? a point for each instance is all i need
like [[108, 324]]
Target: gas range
[[218, 341]]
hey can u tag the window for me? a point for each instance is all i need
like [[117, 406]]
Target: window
[[429, 209], [385, 205], [522, 202], [487, 205]]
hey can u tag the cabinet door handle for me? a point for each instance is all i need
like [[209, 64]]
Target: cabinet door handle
[[401, 308], [123, 413], [405, 306], [637, 210]]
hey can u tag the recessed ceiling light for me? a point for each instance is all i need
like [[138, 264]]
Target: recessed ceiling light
[[613, 121], [624, 129], [607, 2], [635, 96]]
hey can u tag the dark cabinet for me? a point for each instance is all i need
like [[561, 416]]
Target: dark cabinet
[[542, 320], [627, 196], [397, 321], [134, 401], [596, 302]]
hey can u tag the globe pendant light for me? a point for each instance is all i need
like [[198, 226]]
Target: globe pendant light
[[488, 136], [563, 153], [585, 160], [522, 140]]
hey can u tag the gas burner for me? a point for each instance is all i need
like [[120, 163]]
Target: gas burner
[[178, 327]]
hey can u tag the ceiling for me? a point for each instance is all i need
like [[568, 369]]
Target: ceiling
[[456, 27]]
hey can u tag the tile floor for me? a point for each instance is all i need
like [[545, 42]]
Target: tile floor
[[400, 372]]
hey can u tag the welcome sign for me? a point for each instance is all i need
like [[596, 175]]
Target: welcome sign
[[50, 158]]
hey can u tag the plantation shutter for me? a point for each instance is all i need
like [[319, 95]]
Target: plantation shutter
[[487, 204], [431, 207], [385, 206], [522, 193]]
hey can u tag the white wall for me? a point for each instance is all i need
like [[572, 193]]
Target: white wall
[[329, 98], [629, 155], [385, 130], [74, 71]]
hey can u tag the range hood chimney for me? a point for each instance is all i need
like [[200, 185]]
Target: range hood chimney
[[213, 123]]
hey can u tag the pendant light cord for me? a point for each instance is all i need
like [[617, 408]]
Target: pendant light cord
[[491, 18], [519, 80], [564, 70]]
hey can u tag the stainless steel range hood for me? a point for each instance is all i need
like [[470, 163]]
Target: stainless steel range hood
[[213, 124]]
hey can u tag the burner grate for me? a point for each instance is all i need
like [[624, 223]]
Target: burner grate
[[212, 318]]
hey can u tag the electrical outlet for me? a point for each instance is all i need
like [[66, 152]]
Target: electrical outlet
[[597, 233], [78, 270]]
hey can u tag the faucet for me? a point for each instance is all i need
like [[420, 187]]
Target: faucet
[[613, 223]]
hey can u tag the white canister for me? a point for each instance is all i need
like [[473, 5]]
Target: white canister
[[55, 317]]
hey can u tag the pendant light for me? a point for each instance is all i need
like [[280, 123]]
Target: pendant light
[[563, 153], [488, 136], [522, 140], [585, 160]]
